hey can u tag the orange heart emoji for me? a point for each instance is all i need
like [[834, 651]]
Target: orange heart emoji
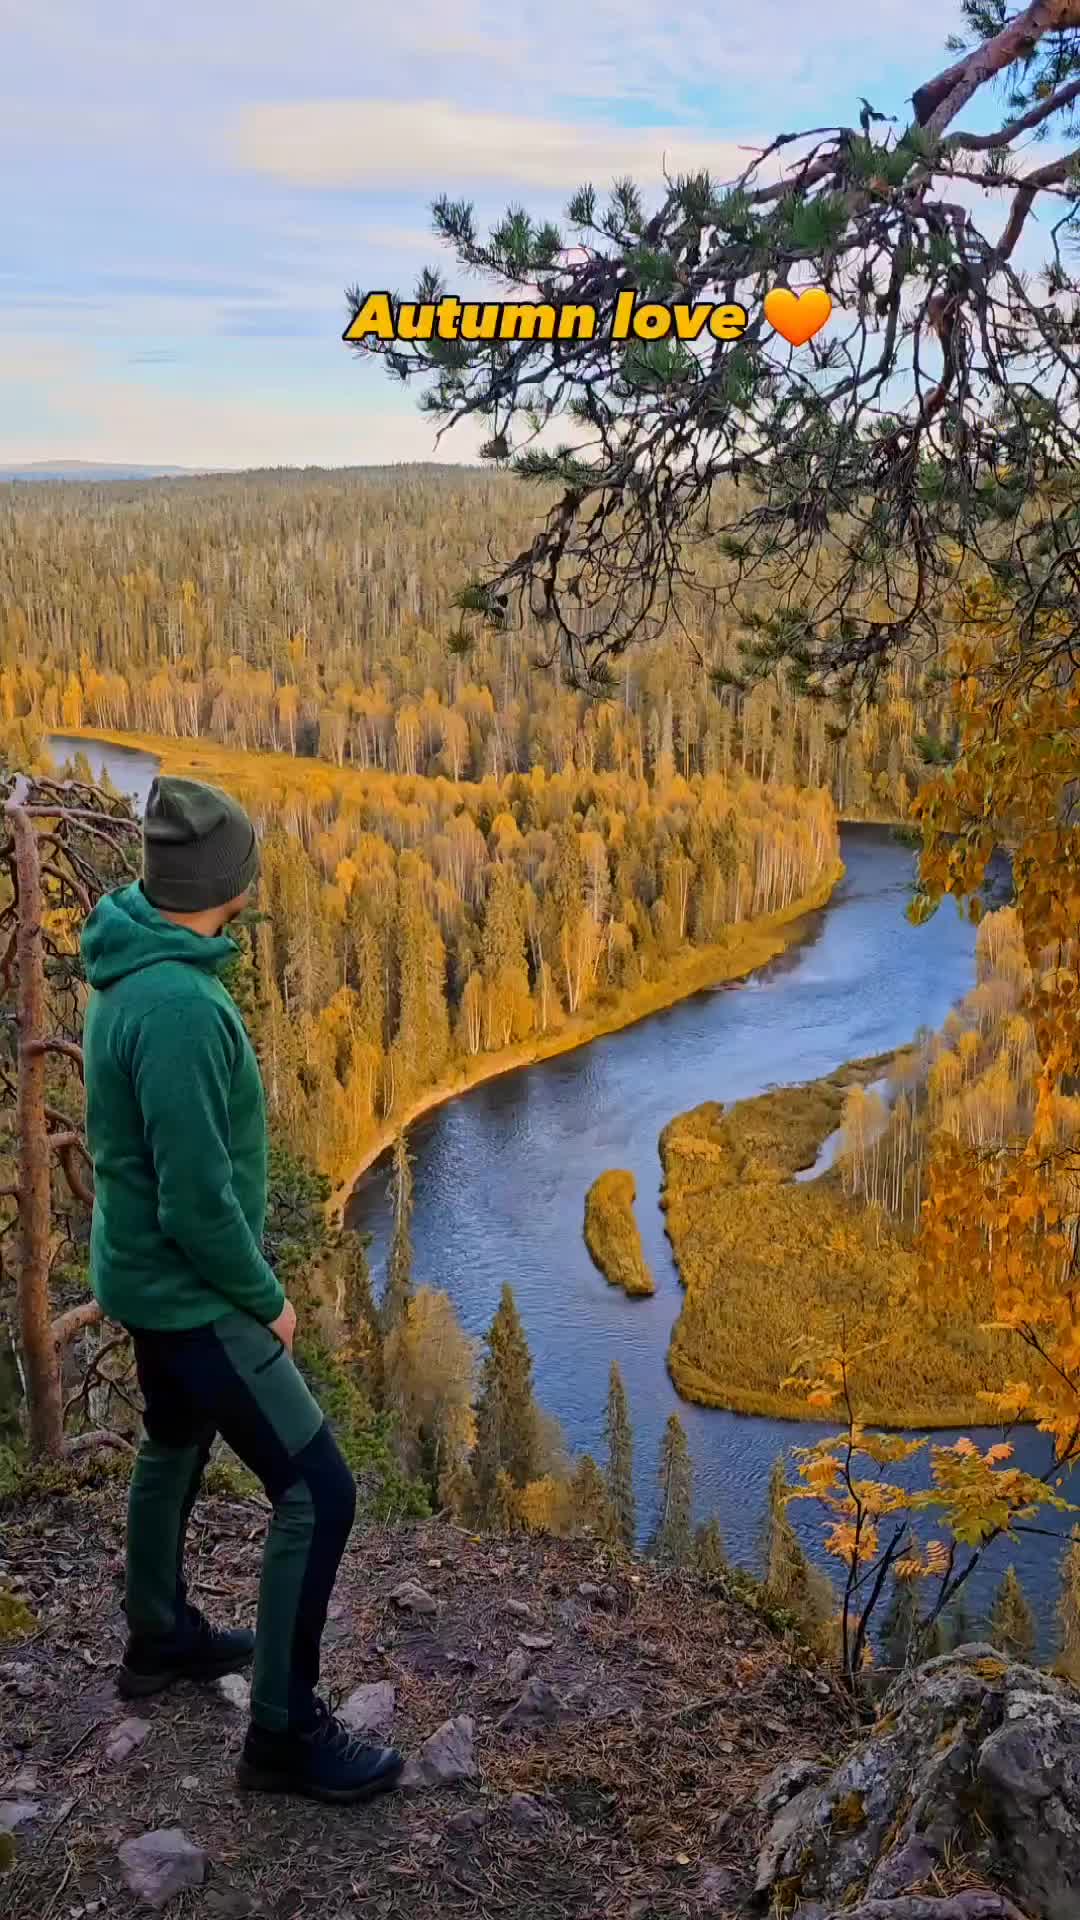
[[797, 316]]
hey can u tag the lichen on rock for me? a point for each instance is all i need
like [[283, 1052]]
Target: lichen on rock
[[973, 1755]]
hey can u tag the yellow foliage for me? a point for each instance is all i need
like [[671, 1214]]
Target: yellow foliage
[[612, 1235], [547, 1506], [763, 1257]]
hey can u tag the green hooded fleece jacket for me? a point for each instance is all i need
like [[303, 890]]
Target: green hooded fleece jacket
[[176, 1125]]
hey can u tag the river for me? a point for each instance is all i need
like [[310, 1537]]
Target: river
[[501, 1172]]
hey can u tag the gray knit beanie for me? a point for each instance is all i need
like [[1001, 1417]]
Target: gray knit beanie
[[199, 847]]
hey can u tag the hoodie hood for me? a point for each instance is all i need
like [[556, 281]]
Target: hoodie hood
[[124, 934]]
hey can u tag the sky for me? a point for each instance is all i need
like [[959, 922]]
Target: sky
[[185, 192]]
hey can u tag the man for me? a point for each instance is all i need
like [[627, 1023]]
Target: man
[[176, 1123]]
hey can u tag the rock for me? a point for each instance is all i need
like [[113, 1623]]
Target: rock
[[16, 1813], [578, 1699], [369, 1709], [228, 1903], [162, 1863], [411, 1597], [466, 1823], [446, 1756], [520, 1608], [236, 1690], [714, 1889], [27, 1780], [973, 1756], [785, 1781], [518, 1666], [526, 1811], [538, 1706], [536, 1642], [972, 1905], [802, 1814], [588, 1590], [21, 1677], [190, 1782], [125, 1738]]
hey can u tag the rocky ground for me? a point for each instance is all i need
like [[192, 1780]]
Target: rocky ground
[[602, 1734]]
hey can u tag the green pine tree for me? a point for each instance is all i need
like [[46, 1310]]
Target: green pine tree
[[507, 1419], [673, 1541], [901, 1622], [1012, 1623], [791, 1584], [399, 1287], [709, 1555], [505, 1515], [422, 1040], [620, 1468], [785, 1561], [358, 1314], [1068, 1660], [956, 1626], [591, 1505]]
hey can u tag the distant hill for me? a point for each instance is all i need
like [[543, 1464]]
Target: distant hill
[[104, 470], [89, 470]]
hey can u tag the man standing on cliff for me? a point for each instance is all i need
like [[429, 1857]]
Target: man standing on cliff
[[176, 1124]]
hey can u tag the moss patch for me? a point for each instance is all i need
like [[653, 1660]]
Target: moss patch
[[16, 1620], [989, 1669], [849, 1813]]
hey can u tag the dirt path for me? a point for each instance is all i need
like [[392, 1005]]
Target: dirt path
[[653, 1709]]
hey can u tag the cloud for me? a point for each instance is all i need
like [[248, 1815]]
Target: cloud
[[80, 405], [199, 193], [382, 144]]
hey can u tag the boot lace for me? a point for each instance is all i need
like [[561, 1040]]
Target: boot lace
[[332, 1733]]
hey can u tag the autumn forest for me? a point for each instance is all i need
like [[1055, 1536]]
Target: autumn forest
[[468, 865]]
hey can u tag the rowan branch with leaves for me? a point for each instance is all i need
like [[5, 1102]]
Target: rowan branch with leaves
[[976, 1498]]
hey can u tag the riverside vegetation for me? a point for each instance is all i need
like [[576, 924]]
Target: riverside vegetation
[[612, 1234], [845, 1239]]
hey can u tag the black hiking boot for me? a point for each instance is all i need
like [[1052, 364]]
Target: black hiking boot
[[197, 1652], [322, 1762]]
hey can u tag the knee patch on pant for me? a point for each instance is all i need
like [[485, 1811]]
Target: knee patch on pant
[[325, 1472]]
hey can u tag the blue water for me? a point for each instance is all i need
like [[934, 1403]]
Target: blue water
[[501, 1175], [130, 770]]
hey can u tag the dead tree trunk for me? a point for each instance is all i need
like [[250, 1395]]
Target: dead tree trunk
[[39, 1348]]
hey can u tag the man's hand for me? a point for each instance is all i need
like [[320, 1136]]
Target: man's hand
[[285, 1325]]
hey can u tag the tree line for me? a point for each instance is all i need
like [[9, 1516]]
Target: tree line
[[408, 927], [311, 614]]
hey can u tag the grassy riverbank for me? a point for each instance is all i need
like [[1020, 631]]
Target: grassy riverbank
[[764, 1260], [746, 950], [235, 766]]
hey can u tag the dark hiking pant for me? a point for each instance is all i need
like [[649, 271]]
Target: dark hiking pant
[[234, 1377]]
